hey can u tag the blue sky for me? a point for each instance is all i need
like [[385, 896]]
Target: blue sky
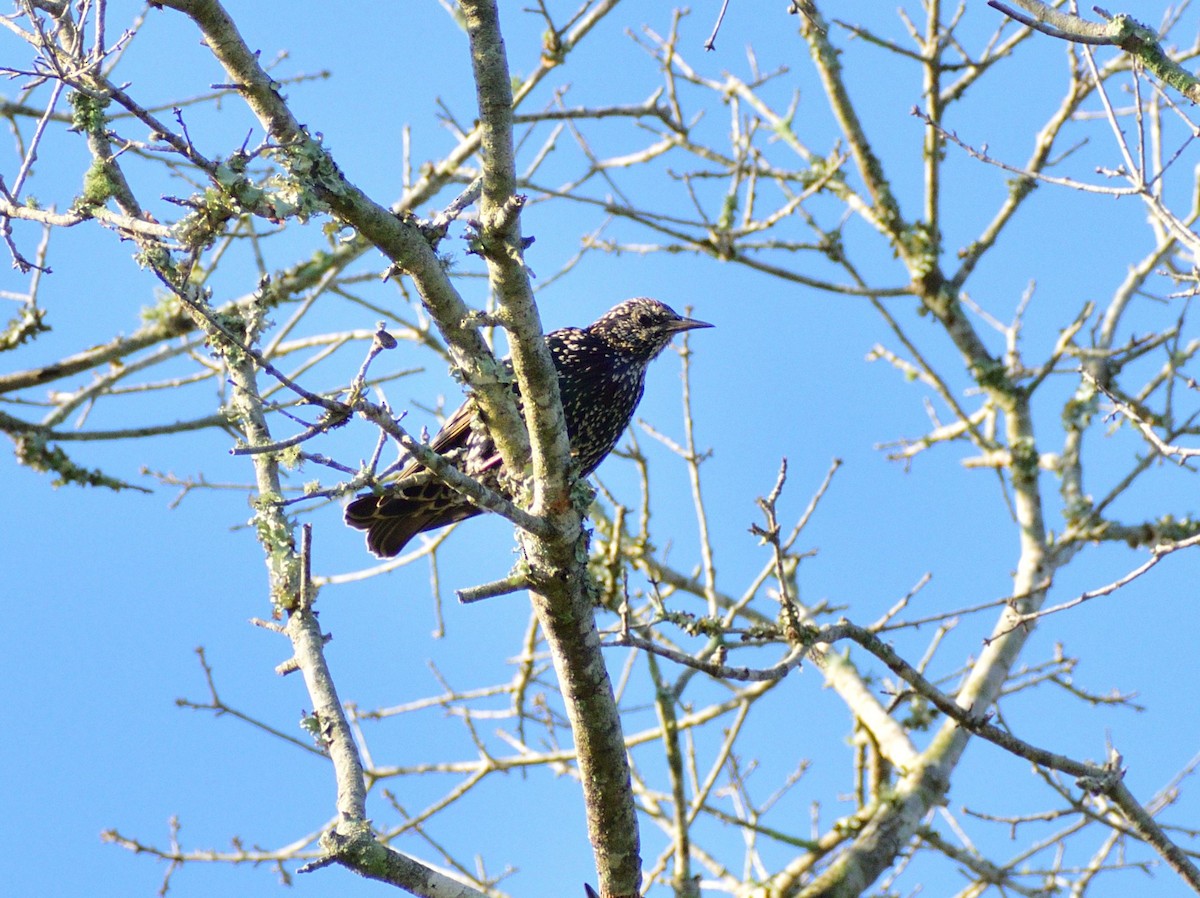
[[109, 596]]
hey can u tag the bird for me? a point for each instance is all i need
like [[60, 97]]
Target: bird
[[601, 376]]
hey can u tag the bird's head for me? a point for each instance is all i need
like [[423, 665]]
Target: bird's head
[[641, 327]]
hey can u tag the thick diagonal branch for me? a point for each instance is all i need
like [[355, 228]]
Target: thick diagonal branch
[[558, 563]]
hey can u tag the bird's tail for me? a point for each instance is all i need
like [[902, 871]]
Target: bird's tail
[[392, 520]]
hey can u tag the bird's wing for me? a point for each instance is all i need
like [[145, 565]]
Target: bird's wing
[[454, 432], [453, 435]]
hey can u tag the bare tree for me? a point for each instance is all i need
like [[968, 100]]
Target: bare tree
[[807, 196]]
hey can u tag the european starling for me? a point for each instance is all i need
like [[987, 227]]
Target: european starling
[[601, 373]]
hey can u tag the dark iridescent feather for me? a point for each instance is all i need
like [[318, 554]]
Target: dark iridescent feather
[[601, 374]]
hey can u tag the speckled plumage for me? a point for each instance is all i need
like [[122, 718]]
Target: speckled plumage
[[601, 375]]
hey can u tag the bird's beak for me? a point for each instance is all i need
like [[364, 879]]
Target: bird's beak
[[687, 324]]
